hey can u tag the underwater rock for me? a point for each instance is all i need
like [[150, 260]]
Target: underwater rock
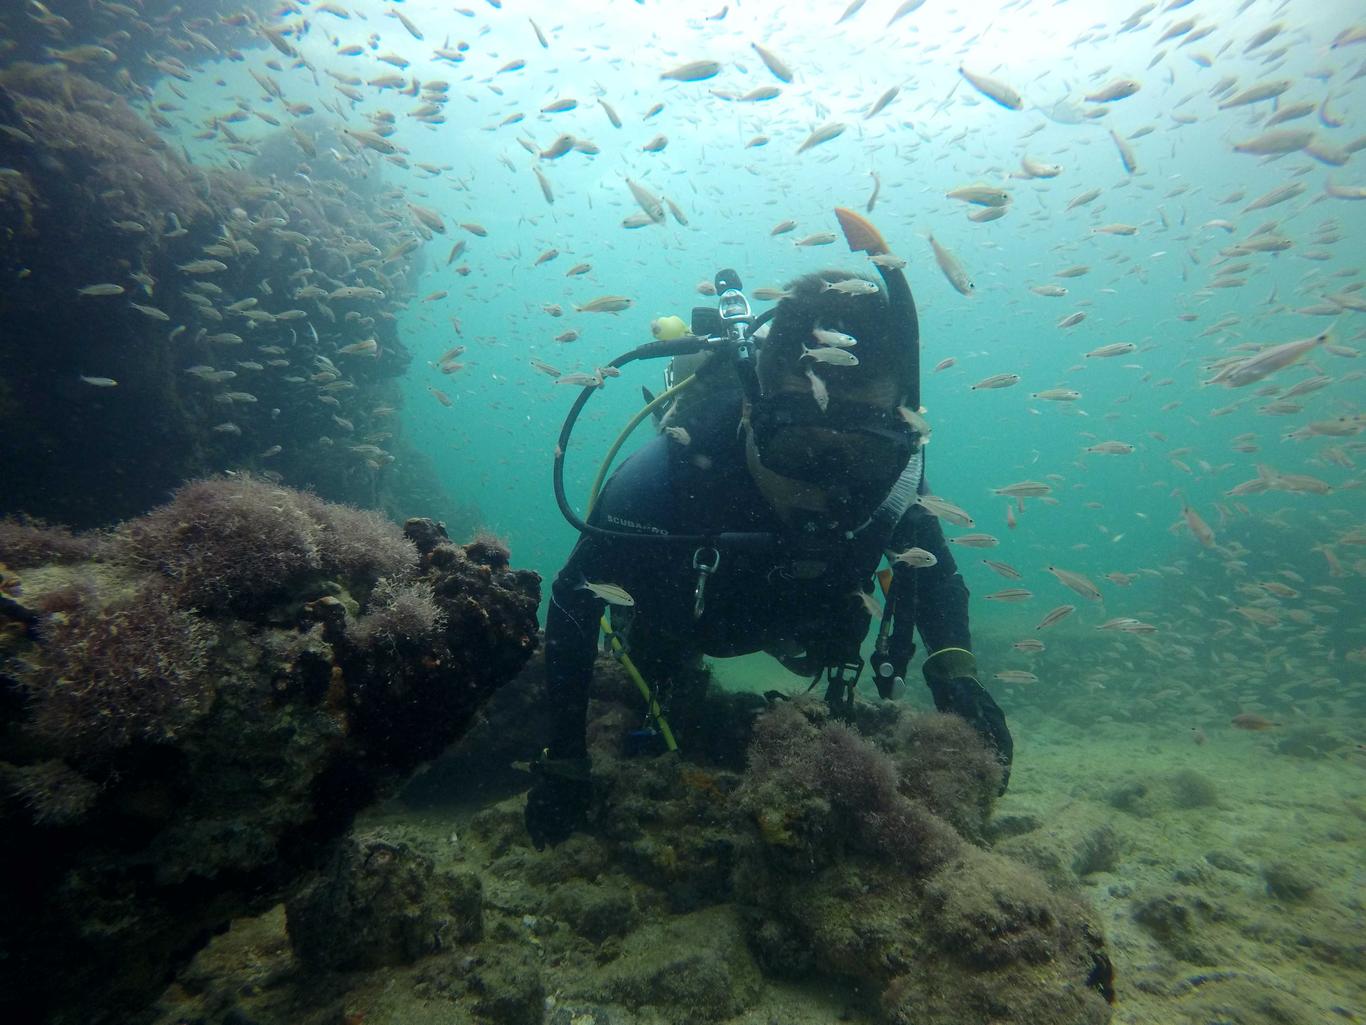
[[669, 824], [1309, 741], [507, 988], [596, 911], [1135, 797], [579, 1014], [1145, 798], [185, 730], [1075, 841], [1191, 789], [1005, 827], [1174, 919], [689, 970], [381, 902], [1245, 999], [245, 544], [845, 872], [1099, 851], [942, 763], [1286, 881], [1229, 861]]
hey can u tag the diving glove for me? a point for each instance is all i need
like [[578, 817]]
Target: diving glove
[[558, 802], [952, 676]]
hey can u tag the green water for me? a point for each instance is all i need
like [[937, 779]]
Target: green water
[[1254, 612], [1265, 618], [1113, 513]]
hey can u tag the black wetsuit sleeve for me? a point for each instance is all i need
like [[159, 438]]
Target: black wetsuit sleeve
[[933, 600], [639, 496], [571, 639]]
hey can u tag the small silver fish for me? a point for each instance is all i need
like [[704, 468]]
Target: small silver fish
[[993, 89], [1061, 612], [826, 132], [996, 381], [695, 71], [851, 286], [613, 594], [834, 339], [952, 269], [833, 356], [818, 390], [1119, 89], [917, 422], [1111, 350], [936, 506], [975, 541], [1076, 582], [916, 558], [583, 380], [980, 195]]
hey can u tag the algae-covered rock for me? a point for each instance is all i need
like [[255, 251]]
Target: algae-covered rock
[[942, 763], [1098, 851], [1289, 882], [691, 970], [596, 911], [192, 714], [845, 873], [1150, 796], [379, 902], [1175, 918], [506, 987]]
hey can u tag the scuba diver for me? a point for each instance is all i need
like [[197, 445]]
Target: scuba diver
[[787, 466]]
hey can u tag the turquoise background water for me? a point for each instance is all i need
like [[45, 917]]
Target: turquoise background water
[[1113, 513]]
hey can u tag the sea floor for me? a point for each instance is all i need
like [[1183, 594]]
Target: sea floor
[[1230, 878], [1228, 874], [1257, 886]]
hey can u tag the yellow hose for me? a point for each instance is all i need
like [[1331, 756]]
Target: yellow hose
[[634, 422], [619, 649], [656, 713]]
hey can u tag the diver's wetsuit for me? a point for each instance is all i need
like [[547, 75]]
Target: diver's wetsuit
[[781, 600]]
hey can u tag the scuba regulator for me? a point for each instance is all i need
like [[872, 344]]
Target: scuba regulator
[[726, 333]]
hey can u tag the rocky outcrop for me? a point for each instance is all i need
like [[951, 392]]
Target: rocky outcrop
[[194, 707]]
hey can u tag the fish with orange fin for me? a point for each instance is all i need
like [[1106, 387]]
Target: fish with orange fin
[[860, 233]]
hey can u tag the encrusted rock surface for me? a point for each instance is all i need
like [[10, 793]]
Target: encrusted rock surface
[[193, 707]]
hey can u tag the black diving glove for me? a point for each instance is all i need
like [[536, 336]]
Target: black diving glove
[[557, 804], [952, 676]]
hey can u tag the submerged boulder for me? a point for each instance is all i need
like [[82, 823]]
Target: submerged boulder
[[850, 873], [381, 901], [197, 705]]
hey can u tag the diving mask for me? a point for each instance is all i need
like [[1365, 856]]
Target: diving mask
[[852, 451]]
